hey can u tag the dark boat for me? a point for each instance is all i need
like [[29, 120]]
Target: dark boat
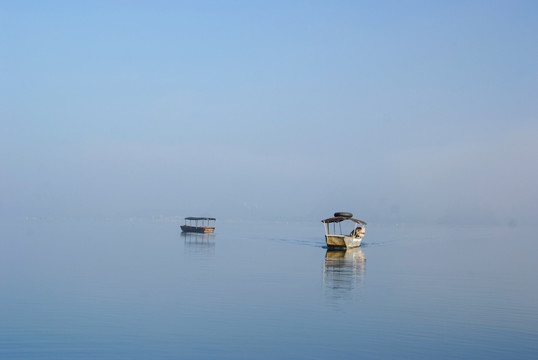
[[201, 225]]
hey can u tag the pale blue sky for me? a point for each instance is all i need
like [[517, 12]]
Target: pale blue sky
[[397, 111]]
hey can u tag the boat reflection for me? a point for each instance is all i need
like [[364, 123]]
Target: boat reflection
[[198, 242], [343, 270]]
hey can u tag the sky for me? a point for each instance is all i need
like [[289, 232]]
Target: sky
[[415, 111]]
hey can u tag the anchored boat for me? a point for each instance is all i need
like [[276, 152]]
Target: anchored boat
[[337, 237], [199, 224]]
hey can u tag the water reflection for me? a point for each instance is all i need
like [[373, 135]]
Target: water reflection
[[199, 243], [343, 270]]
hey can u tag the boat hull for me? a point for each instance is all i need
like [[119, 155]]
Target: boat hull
[[342, 241], [197, 229]]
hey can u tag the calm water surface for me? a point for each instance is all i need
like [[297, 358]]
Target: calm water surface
[[142, 290]]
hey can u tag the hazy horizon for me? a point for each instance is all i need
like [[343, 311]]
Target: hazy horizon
[[398, 112]]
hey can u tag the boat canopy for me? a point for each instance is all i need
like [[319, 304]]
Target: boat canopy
[[199, 218], [338, 219]]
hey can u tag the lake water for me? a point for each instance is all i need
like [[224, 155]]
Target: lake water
[[142, 290]]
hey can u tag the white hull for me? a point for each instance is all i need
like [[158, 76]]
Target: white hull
[[342, 241]]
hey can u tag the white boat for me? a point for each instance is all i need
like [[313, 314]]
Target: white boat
[[336, 237]]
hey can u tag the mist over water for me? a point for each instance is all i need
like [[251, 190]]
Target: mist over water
[[119, 119]]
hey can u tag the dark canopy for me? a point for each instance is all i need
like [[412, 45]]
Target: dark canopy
[[338, 219], [199, 218]]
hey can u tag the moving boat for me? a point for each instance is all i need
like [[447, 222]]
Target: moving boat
[[206, 225], [338, 238]]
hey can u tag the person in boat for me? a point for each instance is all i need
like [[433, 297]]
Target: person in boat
[[356, 232]]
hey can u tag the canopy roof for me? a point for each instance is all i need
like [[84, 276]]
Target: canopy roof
[[338, 219], [199, 218]]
